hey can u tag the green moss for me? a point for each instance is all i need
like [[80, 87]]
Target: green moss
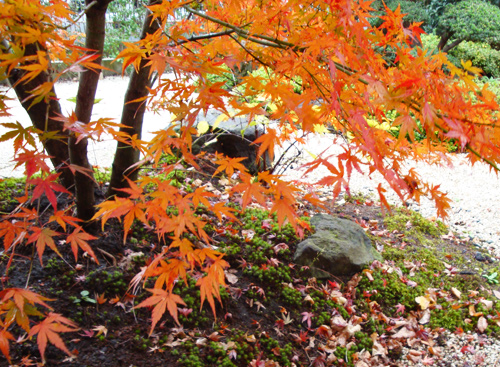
[[410, 222], [10, 188]]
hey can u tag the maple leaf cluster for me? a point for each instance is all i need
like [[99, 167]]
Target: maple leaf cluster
[[326, 49]]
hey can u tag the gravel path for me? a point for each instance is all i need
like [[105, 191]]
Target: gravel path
[[474, 191]]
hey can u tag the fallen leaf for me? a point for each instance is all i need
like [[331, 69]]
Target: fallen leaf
[[404, 333], [456, 292], [426, 317], [487, 304], [101, 329], [231, 278], [482, 324], [423, 301]]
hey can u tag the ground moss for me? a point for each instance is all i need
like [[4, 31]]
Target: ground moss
[[413, 223]]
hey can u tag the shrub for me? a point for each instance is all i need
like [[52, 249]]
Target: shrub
[[481, 54]]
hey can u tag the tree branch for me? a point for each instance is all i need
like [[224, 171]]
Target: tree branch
[[205, 36], [452, 45], [87, 8]]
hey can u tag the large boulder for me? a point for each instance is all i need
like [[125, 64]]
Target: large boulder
[[338, 247], [233, 138]]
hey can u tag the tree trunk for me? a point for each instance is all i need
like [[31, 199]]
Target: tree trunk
[[94, 40], [444, 39], [41, 115], [132, 118], [449, 46]]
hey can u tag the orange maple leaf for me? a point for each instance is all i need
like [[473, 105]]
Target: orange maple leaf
[[199, 196], [47, 186], [229, 165], [267, 142], [49, 329], [20, 296], [162, 300], [100, 298], [60, 217], [251, 189], [79, 239], [5, 336], [220, 209], [43, 237], [208, 289]]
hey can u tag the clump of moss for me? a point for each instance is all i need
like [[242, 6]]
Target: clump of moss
[[411, 222], [10, 188]]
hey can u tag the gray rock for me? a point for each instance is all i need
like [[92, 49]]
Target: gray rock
[[480, 257], [338, 247]]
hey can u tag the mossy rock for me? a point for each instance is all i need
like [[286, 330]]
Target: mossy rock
[[338, 247]]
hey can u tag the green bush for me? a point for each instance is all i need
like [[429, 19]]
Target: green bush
[[481, 55]]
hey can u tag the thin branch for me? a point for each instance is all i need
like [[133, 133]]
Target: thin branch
[[87, 8], [272, 42], [250, 52], [205, 36]]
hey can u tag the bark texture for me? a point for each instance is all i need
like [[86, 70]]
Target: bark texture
[[41, 115], [95, 33], [132, 118]]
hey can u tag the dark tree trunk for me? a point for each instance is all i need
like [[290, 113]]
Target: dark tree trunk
[[444, 39], [41, 115], [449, 46], [132, 118], [95, 33]]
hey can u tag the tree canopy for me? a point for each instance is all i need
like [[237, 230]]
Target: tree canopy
[[469, 20], [327, 70]]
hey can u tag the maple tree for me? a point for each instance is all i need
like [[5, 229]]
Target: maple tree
[[327, 49]]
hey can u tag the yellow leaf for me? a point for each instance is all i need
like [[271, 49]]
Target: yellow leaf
[[219, 119], [202, 127], [423, 302]]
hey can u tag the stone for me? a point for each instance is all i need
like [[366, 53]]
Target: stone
[[480, 257], [338, 247], [233, 138]]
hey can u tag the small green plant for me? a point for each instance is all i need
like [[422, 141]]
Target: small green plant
[[492, 278], [85, 297]]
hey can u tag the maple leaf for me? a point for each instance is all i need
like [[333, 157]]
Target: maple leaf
[[209, 287], [33, 161], [79, 239], [267, 142], [162, 300], [48, 331], [19, 133], [251, 189], [229, 165], [199, 196], [307, 318], [220, 209], [133, 190], [400, 308], [47, 186], [20, 296], [101, 329], [284, 210], [5, 336], [100, 299], [60, 217], [43, 237]]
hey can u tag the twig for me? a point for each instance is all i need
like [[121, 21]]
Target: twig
[[87, 8]]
